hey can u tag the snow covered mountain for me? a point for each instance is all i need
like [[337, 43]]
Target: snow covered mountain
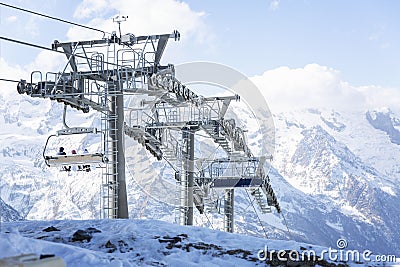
[[335, 174], [332, 157]]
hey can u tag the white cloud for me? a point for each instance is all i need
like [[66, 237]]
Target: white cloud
[[32, 27], [11, 19], [316, 86], [12, 72], [385, 45], [378, 97], [9, 89], [144, 17], [274, 5], [90, 8], [46, 61]]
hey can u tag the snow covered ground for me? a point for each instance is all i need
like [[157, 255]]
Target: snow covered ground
[[145, 243]]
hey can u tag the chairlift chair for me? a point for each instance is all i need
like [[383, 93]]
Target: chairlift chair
[[75, 159]]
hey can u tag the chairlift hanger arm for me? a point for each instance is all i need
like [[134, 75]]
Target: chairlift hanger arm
[[45, 147], [65, 116]]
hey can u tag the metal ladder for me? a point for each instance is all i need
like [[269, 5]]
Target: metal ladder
[[110, 175], [213, 131], [109, 180]]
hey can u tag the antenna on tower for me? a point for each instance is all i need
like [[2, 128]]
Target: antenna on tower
[[118, 19]]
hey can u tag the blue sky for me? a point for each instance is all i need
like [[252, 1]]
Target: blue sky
[[359, 39]]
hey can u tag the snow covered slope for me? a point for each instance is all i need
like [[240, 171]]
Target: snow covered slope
[[147, 243]]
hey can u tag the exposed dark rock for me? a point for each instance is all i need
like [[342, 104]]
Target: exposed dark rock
[[50, 229], [244, 253], [93, 230], [172, 241], [123, 246], [81, 235], [184, 236], [110, 246], [203, 246]]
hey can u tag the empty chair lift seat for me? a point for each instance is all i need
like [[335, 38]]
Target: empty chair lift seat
[[222, 182], [61, 160]]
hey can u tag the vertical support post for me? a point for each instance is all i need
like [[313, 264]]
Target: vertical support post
[[119, 202], [190, 175], [229, 210], [187, 177], [110, 183], [122, 195]]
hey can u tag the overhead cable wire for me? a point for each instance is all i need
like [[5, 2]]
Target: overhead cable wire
[[28, 44], [46, 48], [53, 18], [8, 80]]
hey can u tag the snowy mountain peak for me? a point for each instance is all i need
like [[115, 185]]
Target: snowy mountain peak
[[8, 213], [383, 120]]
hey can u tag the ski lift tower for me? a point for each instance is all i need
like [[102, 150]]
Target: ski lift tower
[[96, 76], [166, 127]]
